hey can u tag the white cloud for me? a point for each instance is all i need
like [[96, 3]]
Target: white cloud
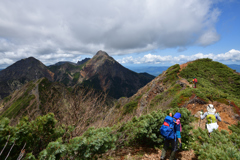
[[40, 27], [6, 61], [230, 56], [208, 37]]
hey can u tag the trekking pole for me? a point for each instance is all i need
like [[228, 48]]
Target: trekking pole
[[5, 145], [10, 150], [200, 118]]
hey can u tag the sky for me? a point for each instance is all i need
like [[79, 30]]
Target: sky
[[133, 32]]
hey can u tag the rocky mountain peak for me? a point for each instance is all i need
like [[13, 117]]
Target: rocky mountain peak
[[102, 53], [106, 74], [20, 73]]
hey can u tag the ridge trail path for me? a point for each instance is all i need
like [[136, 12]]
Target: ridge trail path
[[182, 66]]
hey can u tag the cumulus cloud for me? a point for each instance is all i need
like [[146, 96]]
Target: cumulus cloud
[[40, 27], [230, 56]]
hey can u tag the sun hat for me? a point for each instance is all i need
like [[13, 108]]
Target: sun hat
[[210, 108], [177, 115]]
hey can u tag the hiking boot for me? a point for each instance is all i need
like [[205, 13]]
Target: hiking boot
[[164, 151], [172, 156], [162, 158]]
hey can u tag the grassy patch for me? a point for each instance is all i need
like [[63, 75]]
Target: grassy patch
[[118, 105], [76, 77], [45, 83], [6, 99], [129, 107], [20, 104], [213, 75], [157, 99], [171, 74]]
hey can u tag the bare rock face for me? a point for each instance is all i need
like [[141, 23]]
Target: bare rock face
[[104, 73], [21, 72]]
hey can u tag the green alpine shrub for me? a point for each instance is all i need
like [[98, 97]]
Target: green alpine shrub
[[220, 146], [36, 134]]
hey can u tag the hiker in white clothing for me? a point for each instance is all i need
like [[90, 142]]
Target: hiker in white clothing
[[212, 118]]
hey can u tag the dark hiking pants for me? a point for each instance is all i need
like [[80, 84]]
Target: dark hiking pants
[[174, 144]]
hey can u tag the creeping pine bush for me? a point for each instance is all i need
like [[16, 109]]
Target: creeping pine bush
[[143, 131], [220, 146], [92, 142], [36, 134], [87, 146]]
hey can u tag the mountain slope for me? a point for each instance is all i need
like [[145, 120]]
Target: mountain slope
[[70, 107], [25, 70], [135, 120], [104, 73], [66, 73], [172, 90]]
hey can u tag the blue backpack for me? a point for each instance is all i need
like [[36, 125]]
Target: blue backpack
[[167, 129]]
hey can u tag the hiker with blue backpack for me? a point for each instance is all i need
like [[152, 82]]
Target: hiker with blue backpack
[[170, 130]]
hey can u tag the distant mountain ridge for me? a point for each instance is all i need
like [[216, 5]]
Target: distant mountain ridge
[[101, 72], [234, 67], [152, 70], [156, 70], [63, 62], [83, 61]]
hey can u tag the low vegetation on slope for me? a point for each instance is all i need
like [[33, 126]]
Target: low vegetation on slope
[[20, 102], [216, 82], [42, 139], [45, 140], [221, 145], [215, 79], [67, 73]]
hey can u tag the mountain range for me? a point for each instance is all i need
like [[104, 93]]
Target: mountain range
[[84, 103], [101, 72]]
